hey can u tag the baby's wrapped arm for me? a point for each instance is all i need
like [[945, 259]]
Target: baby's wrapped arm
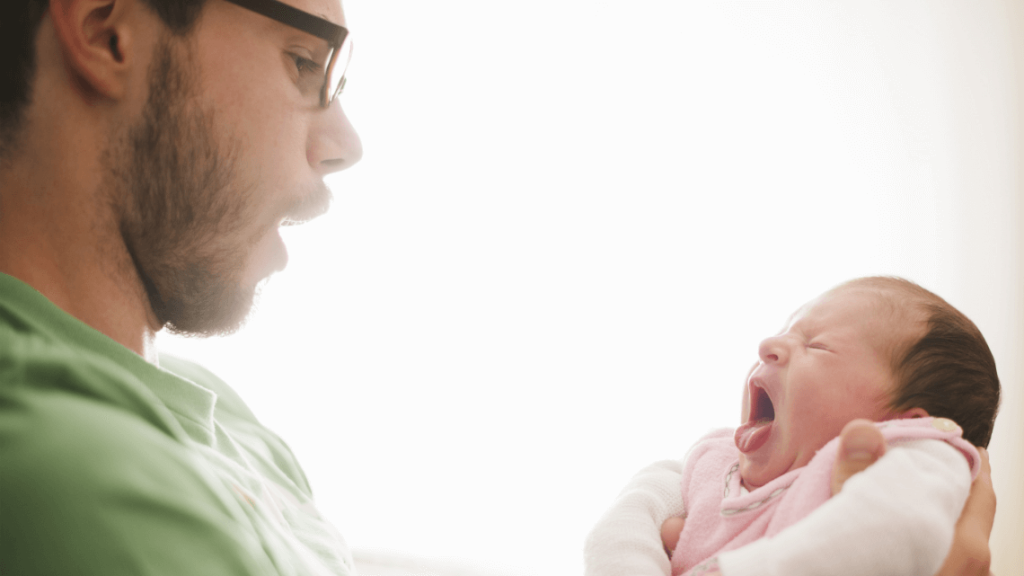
[[903, 508], [862, 444], [626, 541]]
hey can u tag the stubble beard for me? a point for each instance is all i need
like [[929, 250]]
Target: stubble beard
[[181, 208]]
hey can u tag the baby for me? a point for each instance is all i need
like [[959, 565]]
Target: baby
[[757, 500]]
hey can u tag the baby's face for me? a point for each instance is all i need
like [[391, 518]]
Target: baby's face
[[826, 368]]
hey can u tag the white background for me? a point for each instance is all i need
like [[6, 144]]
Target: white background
[[574, 222]]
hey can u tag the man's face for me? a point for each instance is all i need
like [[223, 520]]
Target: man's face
[[231, 144], [828, 367]]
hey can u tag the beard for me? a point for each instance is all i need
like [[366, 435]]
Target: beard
[[181, 210]]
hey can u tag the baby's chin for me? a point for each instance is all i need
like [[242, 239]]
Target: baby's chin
[[753, 475], [756, 473]]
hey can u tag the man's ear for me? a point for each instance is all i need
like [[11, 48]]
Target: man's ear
[[96, 38]]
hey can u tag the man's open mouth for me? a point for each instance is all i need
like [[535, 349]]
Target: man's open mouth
[[755, 431]]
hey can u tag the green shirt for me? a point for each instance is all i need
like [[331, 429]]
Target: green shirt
[[111, 465]]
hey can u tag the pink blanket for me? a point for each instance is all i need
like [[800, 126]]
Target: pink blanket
[[720, 517]]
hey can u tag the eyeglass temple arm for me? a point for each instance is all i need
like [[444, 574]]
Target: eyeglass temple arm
[[296, 18]]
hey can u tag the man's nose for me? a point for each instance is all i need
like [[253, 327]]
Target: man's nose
[[333, 143], [774, 350]]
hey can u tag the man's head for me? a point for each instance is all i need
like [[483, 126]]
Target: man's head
[[211, 135], [19, 25], [874, 348]]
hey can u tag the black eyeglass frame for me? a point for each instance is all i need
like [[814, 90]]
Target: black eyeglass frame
[[334, 34]]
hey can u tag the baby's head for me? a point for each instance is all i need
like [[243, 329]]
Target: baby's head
[[875, 348]]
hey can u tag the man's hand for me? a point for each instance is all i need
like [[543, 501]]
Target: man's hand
[[861, 444], [970, 555], [670, 532]]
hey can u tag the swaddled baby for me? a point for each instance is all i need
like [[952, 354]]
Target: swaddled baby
[[756, 500]]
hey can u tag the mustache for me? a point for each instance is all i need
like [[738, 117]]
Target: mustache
[[315, 202]]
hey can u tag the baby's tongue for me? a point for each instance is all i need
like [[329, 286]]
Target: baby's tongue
[[752, 435]]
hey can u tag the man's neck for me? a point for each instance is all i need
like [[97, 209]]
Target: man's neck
[[58, 234]]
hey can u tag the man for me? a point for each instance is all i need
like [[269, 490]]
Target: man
[[149, 151], [150, 154]]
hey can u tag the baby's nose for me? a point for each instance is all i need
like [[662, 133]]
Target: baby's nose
[[773, 350]]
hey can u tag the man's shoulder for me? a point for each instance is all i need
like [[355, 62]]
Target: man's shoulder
[[227, 399], [269, 451], [71, 444], [38, 366], [87, 484]]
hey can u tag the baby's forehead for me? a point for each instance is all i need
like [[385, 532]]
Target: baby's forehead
[[872, 314]]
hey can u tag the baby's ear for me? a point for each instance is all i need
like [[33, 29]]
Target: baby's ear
[[914, 413]]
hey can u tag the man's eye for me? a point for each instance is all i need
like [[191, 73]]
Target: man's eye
[[305, 65]]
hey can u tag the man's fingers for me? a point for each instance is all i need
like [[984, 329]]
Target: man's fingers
[[860, 445], [980, 510], [970, 554], [670, 532]]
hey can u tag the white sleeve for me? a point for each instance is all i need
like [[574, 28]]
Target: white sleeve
[[627, 540], [895, 518]]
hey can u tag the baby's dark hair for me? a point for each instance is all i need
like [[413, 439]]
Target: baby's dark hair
[[949, 371]]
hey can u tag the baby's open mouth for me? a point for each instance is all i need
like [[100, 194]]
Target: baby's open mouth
[[761, 408], [753, 433]]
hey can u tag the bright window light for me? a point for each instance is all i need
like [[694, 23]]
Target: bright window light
[[573, 223]]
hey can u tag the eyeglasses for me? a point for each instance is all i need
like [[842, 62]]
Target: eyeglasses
[[336, 37]]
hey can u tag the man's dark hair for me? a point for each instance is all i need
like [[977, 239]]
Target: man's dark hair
[[949, 371], [19, 24]]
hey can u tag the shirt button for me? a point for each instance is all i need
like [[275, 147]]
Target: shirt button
[[944, 424]]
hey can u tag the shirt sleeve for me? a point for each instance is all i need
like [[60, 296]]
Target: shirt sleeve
[[91, 490], [895, 518], [627, 540]]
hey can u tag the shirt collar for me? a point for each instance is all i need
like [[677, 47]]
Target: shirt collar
[[27, 310]]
